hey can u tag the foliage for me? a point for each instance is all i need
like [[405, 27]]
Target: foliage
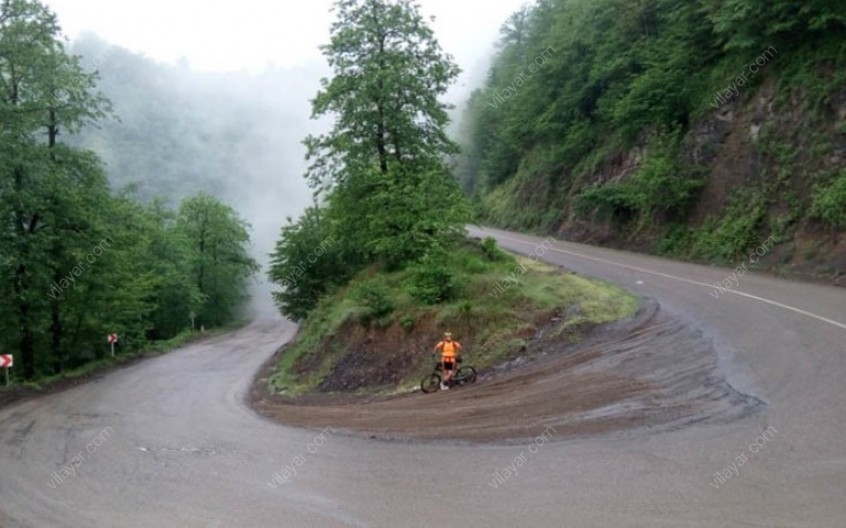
[[388, 197], [490, 249], [77, 261], [610, 201], [677, 241], [308, 261], [388, 72], [731, 236], [753, 25], [829, 202], [398, 217], [662, 188], [375, 299], [167, 258], [587, 81], [664, 184], [220, 266], [432, 281]]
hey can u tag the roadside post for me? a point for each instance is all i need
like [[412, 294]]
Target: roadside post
[[192, 316], [113, 338], [7, 361]]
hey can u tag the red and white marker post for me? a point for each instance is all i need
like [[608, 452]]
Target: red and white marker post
[[113, 338], [7, 361]]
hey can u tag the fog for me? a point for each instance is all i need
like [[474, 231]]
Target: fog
[[227, 115]]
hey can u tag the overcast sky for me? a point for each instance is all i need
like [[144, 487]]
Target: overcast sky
[[251, 34]]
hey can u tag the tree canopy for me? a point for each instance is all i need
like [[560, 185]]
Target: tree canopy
[[386, 193], [578, 85], [77, 261]]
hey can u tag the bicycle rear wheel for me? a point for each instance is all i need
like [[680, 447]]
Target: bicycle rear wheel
[[465, 375], [431, 383]]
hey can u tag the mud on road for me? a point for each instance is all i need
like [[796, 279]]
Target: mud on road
[[650, 372]]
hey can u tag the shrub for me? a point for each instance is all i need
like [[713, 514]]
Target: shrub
[[490, 250], [306, 264], [727, 238], [676, 242], [374, 298], [829, 202], [407, 322], [612, 200], [432, 282], [662, 186]]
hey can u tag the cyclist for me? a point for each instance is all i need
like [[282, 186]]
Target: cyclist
[[450, 350]]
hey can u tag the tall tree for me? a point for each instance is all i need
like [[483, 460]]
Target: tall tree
[[307, 262], [43, 90], [389, 137], [169, 256], [220, 264], [388, 72]]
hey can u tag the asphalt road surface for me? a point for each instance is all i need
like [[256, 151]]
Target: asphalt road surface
[[170, 442]]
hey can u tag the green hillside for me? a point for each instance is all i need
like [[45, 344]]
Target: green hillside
[[695, 129]]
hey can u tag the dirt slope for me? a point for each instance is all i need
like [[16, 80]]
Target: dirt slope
[[652, 371]]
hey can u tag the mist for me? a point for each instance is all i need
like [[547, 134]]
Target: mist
[[237, 135], [176, 132]]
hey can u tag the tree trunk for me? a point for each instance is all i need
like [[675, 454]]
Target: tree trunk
[[57, 251], [56, 332], [26, 338]]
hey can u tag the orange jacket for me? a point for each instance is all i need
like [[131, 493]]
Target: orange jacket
[[449, 349]]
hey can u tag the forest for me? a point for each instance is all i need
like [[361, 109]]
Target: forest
[[78, 259], [688, 128]]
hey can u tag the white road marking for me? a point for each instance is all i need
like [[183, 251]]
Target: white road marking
[[688, 281]]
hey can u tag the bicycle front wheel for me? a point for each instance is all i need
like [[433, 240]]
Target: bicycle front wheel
[[431, 383]]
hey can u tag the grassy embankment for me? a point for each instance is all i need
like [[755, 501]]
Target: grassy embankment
[[375, 324]]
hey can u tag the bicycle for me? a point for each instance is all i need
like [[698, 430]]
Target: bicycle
[[462, 376]]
